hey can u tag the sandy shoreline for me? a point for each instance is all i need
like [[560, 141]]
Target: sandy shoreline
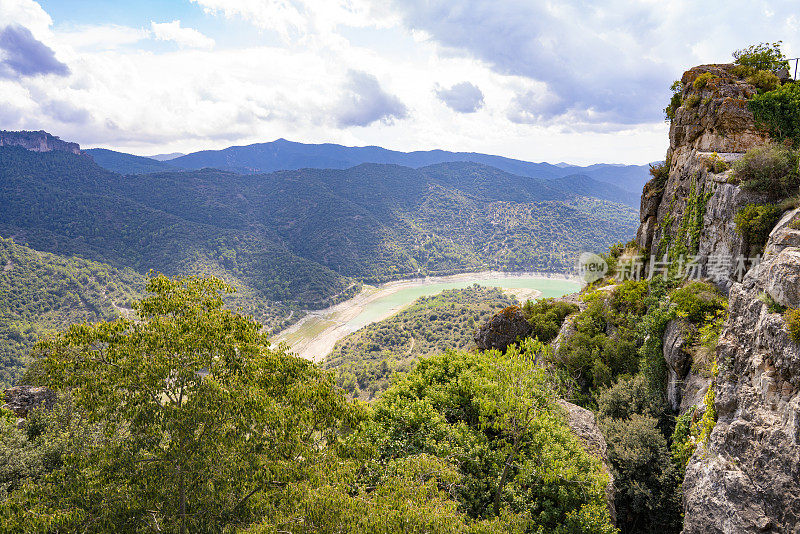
[[331, 324]]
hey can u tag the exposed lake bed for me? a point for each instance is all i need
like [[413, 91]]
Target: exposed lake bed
[[314, 336]]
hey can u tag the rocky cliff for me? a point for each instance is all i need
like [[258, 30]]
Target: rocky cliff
[[747, 477], [693, 210], [40, 141]]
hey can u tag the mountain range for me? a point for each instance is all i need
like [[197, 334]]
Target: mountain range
[[287, 155], [289, 240]]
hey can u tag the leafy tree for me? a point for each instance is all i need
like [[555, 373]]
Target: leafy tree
[[546, 317], [493, 416], [200, 423], [779, 112], [763, 56], [648, 500]]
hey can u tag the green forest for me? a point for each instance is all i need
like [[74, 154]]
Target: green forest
[[184, 419], [289, 241], [42, 292]]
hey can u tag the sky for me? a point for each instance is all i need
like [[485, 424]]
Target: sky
[[570, 80]]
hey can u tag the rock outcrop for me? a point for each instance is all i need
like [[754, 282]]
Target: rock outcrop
[[695, 207], [747, 478], [23, 399], [40, 141], [503, 329], [583, 424]]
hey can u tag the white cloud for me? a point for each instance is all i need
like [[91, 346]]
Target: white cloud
[[558, 80], [183, 37], [463, 97], [102, 37], [365, 102]]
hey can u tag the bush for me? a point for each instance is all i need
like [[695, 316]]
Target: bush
[[764, 81], [646, 479], [754, 222], [772, 305], [716, 164], [742, 71], [702, 81], [546, 317], [769, 169], [674, 102], [697, 301], [792, 317], [779, 112], [763, 56], [628, 396], [693, 101], [659, 173]]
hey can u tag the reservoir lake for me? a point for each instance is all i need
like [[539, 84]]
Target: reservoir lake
[[314, 336]]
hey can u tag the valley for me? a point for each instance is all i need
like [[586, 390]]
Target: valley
[[314, 336]]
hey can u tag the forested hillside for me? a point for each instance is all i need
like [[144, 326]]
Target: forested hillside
[[301, 237], [123, 163], [41, 292], [365, 360]]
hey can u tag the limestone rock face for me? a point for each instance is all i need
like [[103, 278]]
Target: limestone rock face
[[685, 388], [503, 329], [747, 479], [23, 399], [712, 124], [40, 141]]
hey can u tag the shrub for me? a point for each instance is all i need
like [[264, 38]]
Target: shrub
[[675, 101], [702, 81], [764, 81], [546, 317], [647, 481], [660, 173], [708, 338], [754, 222], [697, 301], [629, 297], [763, 56], [779, 112], [742, 71], [716, 164], [628, 396], [693, 101], [683, 443], [772, 305], [769, 169], [792, 317]]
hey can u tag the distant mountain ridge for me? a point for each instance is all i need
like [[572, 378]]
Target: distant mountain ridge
[[288, 155], [282, 155], [123, 163]]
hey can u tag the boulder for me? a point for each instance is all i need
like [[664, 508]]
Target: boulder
[[678, 358], [23, 399], [503, 329], [783, 278], [583, 424]]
